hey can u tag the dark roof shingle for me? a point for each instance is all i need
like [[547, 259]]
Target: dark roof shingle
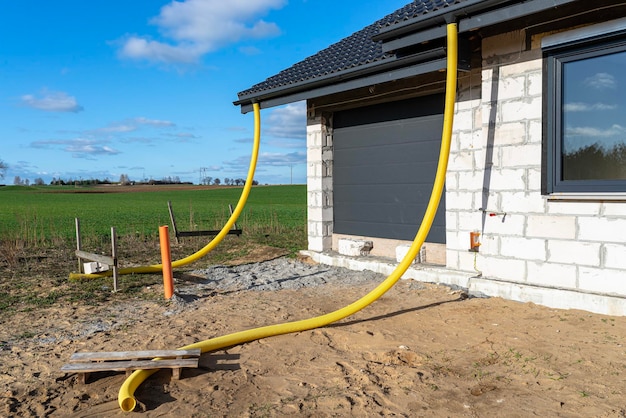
[[356, 50]]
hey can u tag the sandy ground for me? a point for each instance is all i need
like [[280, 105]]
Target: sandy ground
[[420, 350]]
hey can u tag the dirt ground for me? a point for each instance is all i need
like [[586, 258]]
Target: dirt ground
[[421, 350]]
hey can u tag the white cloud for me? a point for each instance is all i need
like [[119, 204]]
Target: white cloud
[[154, 122], [587, 107], [52, 101], [589, 131], [117, 128], [279, 159], [192, 28], [131, 125], [266, 159], [287, 122], [145, 49], [79, 147], [601, 81]]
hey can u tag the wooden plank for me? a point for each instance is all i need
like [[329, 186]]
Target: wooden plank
[[104, 259], [204, 233], [132, 355], [122, 366]]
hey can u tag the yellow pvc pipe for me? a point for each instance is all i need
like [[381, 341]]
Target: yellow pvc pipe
[[156, 268], [126, 397]]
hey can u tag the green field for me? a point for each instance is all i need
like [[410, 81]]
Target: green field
[[44, 215]]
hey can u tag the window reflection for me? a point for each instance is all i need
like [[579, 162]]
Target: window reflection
[[593, 145]]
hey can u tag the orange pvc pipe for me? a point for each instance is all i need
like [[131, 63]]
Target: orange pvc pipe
[[166, 261]]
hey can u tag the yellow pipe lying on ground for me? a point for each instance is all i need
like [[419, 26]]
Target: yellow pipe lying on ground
[[126, 397], [157, 268]]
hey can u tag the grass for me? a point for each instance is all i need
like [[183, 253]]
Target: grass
[[41, 214], [37, 235]]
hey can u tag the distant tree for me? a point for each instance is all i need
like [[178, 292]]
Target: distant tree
[[124, 180], [26, 182], [595, 162], [3, 168], [39, 181], [255, 183], [17, 180], [217, 182], [207, 180], [227, 181], [176, 179]]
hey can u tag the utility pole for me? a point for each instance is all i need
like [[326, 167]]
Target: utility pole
[[203, 172]]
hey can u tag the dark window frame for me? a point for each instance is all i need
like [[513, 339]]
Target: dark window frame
[[554, 57]]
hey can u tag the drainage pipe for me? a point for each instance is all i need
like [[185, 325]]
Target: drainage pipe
[[126, 397], [156, 268]]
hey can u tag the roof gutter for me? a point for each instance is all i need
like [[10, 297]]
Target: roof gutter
[[473, 22], [442, 16]]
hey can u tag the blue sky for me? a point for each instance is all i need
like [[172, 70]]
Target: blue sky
[[100, 88]]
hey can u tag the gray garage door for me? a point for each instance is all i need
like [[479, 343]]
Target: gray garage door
[[385, 158]]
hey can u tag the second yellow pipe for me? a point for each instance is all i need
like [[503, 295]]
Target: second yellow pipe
[[126, 397]]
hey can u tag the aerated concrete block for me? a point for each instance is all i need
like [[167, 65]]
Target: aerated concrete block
[[94, 267], [354, 247], [402, 249]]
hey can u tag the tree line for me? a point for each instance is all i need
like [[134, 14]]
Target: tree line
[[123, 180], [207, 181], [595, 162]]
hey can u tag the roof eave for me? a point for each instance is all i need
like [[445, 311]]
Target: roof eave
[[341, 77], [338, 84]]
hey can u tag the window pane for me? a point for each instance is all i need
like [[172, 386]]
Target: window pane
[[593, 143]]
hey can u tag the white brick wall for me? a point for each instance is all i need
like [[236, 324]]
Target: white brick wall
[[575, 245], [521, 202], [523, 248], [615, 256], [513, 225], [551, 226], [520, 156], [614, 209], [552, 275], [505, 268], [319, 187], [602, 280], [542, 249], [574, 208], [601, 229], [574, 252]]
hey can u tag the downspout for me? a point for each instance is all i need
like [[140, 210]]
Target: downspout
[[126, 397]]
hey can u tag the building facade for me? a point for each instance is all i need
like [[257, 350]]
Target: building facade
[[537, 168]]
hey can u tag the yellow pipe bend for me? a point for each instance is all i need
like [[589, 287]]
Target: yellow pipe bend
[[126, 397], [155, 268]]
